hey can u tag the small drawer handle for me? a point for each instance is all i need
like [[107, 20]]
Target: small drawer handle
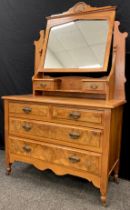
[[43, 85], [27, 110], [26, 148], [74, 115], [94, 133], [74, 159], [74, 135], [27, 127], [94, 86]]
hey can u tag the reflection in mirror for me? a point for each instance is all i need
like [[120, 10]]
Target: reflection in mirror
[[77, 44]]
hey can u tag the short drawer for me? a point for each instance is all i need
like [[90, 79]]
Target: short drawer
[[29, 110], [64, 156], [79, 137], [46, 84], [94, 87], [81, 115], [42, 85]]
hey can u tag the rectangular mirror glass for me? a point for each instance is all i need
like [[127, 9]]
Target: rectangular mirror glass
[[77, 44]]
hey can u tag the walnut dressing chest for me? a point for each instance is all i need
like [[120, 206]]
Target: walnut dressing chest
[[72, 122]]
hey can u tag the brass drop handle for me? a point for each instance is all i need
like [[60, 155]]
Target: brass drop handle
[[74, 159], [43, 85], [27, 127], [27, 110], [74, 135], [74, 115], [94, 86], [26, 148]]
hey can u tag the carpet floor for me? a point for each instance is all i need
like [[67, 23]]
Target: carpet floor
[[28, 188]]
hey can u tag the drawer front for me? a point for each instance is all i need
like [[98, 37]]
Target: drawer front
[[72, 158], [90, 116], [29, 110], [71, 134], [43, 85], [94, 87]]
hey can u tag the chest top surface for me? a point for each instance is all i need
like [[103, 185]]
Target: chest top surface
[[66, 101]]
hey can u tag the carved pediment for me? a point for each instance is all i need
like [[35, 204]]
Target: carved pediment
[[81, 7]]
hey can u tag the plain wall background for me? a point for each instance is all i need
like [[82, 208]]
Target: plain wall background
[[20, 23]]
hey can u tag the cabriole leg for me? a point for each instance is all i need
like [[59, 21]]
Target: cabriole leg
[[103, 191], [9, 169], [116, 171], [103, 200]]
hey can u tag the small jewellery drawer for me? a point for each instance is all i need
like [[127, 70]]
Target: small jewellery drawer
[[81, 115], [46, 84], [42, 85], [94, 87], [64, 156], [29, 110], [71, 134]]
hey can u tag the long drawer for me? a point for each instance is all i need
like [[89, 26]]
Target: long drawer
[[29, 110], [72, 158], [76, 135]]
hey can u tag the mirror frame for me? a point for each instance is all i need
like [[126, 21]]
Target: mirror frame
[[80, 11]]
